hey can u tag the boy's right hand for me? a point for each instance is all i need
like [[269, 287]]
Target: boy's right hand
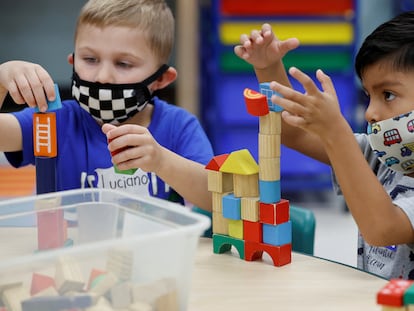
[[26, 83], [262, 48]]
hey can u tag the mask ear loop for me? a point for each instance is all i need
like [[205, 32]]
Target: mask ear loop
[[156, 75]]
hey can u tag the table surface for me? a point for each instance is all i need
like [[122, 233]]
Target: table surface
[[226, 282]]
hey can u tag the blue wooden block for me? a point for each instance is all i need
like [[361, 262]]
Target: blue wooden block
[[277, 234], [46, 178], [53, 105], [231, 207], [56, 303], [269, 191], [268, 92]]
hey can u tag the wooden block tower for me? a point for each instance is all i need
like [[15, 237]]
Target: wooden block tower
[[51, 226], [248, 212]]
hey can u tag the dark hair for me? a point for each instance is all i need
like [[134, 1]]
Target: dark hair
[[393, 40]]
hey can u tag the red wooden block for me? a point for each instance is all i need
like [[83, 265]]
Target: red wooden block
[[274, 213], [217, 162], [281, 255], [40, 282], [256, 103], [252, 231], [392, 293], [51, 229]]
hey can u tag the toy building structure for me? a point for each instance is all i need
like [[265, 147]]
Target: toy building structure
[[397, 294], [248, 212], [51, 226]]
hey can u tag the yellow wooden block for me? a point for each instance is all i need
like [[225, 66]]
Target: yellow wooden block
[[308, 33], [271, 123], [240, 162], [246, 185], [220, 225], [250, 208], [236, 229], [269, 145], [269, 169], [219, 181]]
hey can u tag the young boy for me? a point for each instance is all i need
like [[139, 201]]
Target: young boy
[[119, 60], [369, 168]]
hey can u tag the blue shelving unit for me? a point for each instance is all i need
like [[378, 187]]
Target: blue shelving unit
[[224, 76]]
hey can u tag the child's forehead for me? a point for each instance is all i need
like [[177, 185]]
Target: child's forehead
[[385, 72]]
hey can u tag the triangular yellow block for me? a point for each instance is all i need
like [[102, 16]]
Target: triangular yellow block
[[240, 162]]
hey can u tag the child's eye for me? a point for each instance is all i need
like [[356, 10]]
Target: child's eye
[[388, 96], [90, 60], [124, 65]]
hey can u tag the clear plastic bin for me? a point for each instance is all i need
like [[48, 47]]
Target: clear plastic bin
[[83, 240]]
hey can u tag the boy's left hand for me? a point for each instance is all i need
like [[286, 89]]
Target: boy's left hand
[[314, 111], [133, 146]]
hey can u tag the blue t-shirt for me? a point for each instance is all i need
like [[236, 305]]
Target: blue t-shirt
[[84, 160]]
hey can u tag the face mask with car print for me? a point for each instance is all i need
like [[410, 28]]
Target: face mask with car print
[[393, 142]]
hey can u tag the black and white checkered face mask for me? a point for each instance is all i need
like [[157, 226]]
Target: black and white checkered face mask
[[113, 103]]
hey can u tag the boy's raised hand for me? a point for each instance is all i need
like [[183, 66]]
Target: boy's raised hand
[[262, 48], [27, 83]]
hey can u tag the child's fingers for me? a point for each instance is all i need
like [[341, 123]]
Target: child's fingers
[[326, 82], [290, 100], [305, 80]]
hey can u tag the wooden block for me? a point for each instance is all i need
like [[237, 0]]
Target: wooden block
[[44, 134], [268, 92], [269, 191], [95, 273], [68, 275], [120, 262], [274, 213], [120, 295], [219, 181], [250, 208], [269, 168], [252, 231], [240, 162], [393, 292], [217, 201], [158, 292], [140, 306], [103, 283], [271, 123], [231, 207], [269, 145], [13, 296], [256, 103], [281, 255], [40, 282], [223, 244], [236, 229], [220, 224], [216, 162], [246, 185], [277, 235]]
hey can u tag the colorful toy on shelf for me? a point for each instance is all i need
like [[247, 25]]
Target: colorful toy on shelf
[[50, 224], [248, 212]]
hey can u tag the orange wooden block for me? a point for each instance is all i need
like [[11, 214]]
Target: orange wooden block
[[44, 135]]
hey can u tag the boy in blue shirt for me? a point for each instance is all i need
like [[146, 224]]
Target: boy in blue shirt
[[119, 60], [373, 171]]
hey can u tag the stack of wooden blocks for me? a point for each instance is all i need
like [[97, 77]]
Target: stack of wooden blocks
[[248, 212]]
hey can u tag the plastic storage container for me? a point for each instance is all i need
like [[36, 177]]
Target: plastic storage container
[[80, 248]]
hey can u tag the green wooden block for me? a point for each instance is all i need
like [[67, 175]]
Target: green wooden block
[[223, 243]]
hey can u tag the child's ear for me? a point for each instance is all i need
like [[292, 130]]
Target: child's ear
[[70, 59], [166, 79]]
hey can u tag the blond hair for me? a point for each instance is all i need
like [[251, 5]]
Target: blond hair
[[153, 17]]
